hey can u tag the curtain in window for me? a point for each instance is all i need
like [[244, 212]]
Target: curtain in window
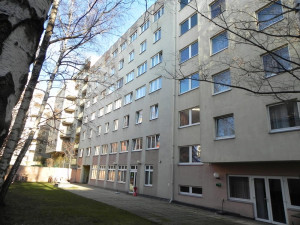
[[196, 150], [225, 126], [239, 187]]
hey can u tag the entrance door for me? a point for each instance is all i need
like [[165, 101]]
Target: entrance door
[[269, 202], [133, 174]]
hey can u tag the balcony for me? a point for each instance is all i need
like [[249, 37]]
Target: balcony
[[71, 96], [65, 133], [80, 116], [76, 146], [78, 129], [70, 108], [82, 101], [68, 121]]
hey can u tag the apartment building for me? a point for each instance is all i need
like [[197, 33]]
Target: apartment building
[[148, 122]]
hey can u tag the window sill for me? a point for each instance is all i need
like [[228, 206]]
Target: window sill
[[113, 153], [128, 82], [139, 150], [153, 119], [125, 127], [101, 179], [121, 182], [140, 98], [269, 24], [123, 152], [282, 130], [190, 194], [188, 91], [240, 200], [190, 125], [190, 164], [221, 50], [224, 138], [156, 41], [294, 208], [127, 103], [114, 130], [154, 91], [112, 181], [148, 185], [221, 92], [142, 52], [149, 149], [140, 74], [138, 123], [156, 65], [187, 59], [103, 154]]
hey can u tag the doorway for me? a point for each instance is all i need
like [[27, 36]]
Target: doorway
[[269, 202], [86, 174], [133, 176]]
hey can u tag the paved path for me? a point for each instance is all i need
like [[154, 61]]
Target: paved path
[[158, 211]]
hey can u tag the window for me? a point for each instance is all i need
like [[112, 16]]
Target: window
[[217, 8], [270, 15], [189, 117], [131, 56], [110, 89], [91, 133], [239, 187], [190, 154], [220, 79], [284, 116], [156, 59], [189, 52], [102, 94], [219, 43], [128, 98], [294, 191], [99, 130], [112, 71], [153, 141], [140, 92], [155, 85], [116, 125], [183, 3], [88, 151], [114, 147], [101, 112], [145, 26], [133, 36], [118, 103], [109, 108], [121, 64], [225, 127], [189, 190], [95, 99], [83, 135], [143, 46], [276, 62], [137, 144], [148, 175], [157, 35], [154, 112], [106, 128], [124, 146], [80, 152], [188, 24], [189, 83], [88, 103], [126, 121], [104, 149], [138, 117], [119, 83], [142, 69], [158, 14], [93, 115], [97, 150], [129, 76], [94, 172], [122, 174], [123, 46], [115, 53], [111, 173], [102, 171]]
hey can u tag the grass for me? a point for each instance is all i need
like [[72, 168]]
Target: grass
[[44, 204]]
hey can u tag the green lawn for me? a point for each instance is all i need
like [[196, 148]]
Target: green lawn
[[41, 203]]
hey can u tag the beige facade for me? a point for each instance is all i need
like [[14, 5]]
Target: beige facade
[[200, 143]]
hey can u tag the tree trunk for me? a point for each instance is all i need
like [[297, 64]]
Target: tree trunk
[[17, 127], [21, 27]]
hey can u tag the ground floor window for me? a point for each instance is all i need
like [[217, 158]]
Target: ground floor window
[[294, 191], [111, 173], [148, 175], [94, 172], [122, 174], [190, 190], [239, 187], [102, 171]]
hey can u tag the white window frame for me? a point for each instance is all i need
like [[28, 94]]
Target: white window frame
[[131, 56], [140, 92], [287, 191], [118, 103], [115, 53], [142, 69], [190, 117], [119, 83], [137, 142], [111, 173], [101, 112], [184, 4], [95, 98], [216, 127], [122, 174], [157, 35], [97, 150], [94, 172], [128, 98], [123, 46], [80, 153], [104, 149], [239, 199], [112, 71], [88, 103], [122, 144], [102, 173], [156, 59], [106, 128], [91, 133], [99, 129], [190, 162], [113, 148], [145, 26], [190, 193], [159, 13], [143, 46], [215, 2], [93, 116], [126, 121], [121, 64], [133, 37], [139, 117], [109, 108], [83, 135], [227, 88], [190, 80], [102, 94], [153, 140], [189, 20], [189, 47], [116, 125], [211, 43], [88, 151], [129, 76], [154, 112], [148, 172], [155, 85]]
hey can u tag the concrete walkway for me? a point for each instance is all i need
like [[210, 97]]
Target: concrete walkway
[[155, 210]]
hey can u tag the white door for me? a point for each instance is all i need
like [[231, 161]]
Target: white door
[[132, 181]]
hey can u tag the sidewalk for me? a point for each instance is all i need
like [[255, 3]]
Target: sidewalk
[[158, 211]]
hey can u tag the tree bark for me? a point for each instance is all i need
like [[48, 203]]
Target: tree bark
[[17, 127], [21, 27]]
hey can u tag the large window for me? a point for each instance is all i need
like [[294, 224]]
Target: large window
[[155, 85], [219, 43], [183, 3], [220, 80], [101, 173], [137, 144], [126, 121], [190, 154], [139, 117], [284, 116], [189, 190], [142, 69], [239, 187], [94, 172], [270, 15], [109, 108], [156, 59], [189, 117], [116, 125], [294, 191], [153, 141], [104, 149], [129, 76], [128, 98], [276, 62], [143, 46], [124, 146], [225, 127], [140, 92], [188, 24], [111, 173], [189, 83], [118, 103], [114, 147], [122, 174], [157, 35], [189, 52], [148, 175], [158, 13], [154, 112], [145, 26], [217, 8]]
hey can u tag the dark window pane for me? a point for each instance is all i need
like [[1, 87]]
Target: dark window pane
[[183, 3], [184, 155], [219, 42], [270, 15], [217, 8], [184, 189], [194, 49], [197, 190], [239, 187], [184, 117], [294, 190], [219, 79], [184, 54], [184, 27], [195, 81], [196, 150], [184, 85], [195, 115], [194, 20]]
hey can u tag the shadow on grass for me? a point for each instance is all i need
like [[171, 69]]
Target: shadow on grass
[[42, 203]]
